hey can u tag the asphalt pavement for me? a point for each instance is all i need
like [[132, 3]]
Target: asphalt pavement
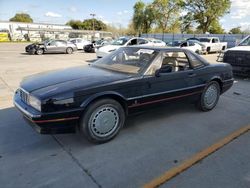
[[150, 144]]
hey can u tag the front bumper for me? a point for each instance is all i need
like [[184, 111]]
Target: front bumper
[[49, 123], [101, 54]]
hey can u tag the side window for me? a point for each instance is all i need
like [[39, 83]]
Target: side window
[[191, 43], [184, 44], [194, 61], [60, 43], [178, 61], [142, 41], [52, 43], [215, 40], [133, 42], [79, 40]]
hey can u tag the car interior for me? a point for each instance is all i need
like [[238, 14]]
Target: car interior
[[176, 60]]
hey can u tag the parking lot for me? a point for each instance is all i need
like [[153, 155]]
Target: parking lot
[[151, 143]]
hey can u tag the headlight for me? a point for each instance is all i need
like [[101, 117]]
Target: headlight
[[35, 103], [111, 50]]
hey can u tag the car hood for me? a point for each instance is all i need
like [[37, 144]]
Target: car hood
[[108, 48], [82, 77], [239, 48]]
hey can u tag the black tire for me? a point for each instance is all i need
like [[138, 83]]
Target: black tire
[[69, 50], [204, 102], [102, 120], [208, 50], [39, 51]]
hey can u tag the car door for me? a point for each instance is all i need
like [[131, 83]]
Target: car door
[[177, 83], [61, 46], [51, 46]]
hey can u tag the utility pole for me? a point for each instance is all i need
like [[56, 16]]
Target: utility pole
[[93, 19]]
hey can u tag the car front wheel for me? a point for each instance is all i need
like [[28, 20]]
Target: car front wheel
[[102, 120], [39, 52], [69, 50], [209, 97]]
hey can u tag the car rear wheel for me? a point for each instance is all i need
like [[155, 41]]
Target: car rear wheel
[[209, 97], [69, 50], [102, 120], [39, 51]]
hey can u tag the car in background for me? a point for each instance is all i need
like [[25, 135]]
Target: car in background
[[51, 46], [193, 45], [98, 98], [126, 41], [79, 42], [175, 43], [156, 42], [239, 58], [213, 44], [91, 48]]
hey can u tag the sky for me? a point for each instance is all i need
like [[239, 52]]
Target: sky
[[113, 12]]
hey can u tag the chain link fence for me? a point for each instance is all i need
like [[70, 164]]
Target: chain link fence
[[231, 39]]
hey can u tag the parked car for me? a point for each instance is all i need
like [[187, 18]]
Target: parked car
[[80, 43], [91, 48], [194, 46], [213, 44], [175, 43], [156, 42], [239, 58], [125, 41], [51, 46], [97, 98]]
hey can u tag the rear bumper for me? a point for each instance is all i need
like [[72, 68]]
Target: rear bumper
[[49, 123], [227, 84]]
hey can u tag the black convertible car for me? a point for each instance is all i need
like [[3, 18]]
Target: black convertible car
[[97, 98]]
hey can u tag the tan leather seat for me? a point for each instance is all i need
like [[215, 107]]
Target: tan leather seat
[[171, 61]]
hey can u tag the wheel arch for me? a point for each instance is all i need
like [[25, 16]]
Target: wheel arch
[[219, 80], [111, 95]]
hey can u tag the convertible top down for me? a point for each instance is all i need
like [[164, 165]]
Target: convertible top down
[[97, 98]]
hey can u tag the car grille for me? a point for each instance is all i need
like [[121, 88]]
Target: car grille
[[237, 58], [24, 95]]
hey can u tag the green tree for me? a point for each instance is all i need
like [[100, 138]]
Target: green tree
[[236, 30], [206, 12], [98, 24], [22, 17], [138, 17], [75, 24], [167, 13], [215, 28], [87, 24]]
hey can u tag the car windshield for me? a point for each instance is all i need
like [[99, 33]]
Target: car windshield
[[204, 40], [120, 41], [99, 42], [127, 60], [245, 42], [175, 43]]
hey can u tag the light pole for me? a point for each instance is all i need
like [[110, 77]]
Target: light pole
[[93, 19]]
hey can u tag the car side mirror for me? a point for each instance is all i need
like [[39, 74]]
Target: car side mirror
[[162, 70], [48, 44]]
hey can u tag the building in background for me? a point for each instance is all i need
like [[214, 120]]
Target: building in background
[[18, 31]]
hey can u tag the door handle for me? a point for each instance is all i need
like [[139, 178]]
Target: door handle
[[191, 75]]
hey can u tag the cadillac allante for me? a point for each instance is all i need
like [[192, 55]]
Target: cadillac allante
[[97, 98]]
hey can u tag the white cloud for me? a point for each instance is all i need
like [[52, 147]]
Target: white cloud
[[119, 13], [240, 9], [245, 25], [73, 9], [122, 12], [52, 14]]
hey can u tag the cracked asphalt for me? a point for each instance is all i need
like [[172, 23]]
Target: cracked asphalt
[[150, 143]]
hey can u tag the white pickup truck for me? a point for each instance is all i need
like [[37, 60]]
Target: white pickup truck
[[213, 44]]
